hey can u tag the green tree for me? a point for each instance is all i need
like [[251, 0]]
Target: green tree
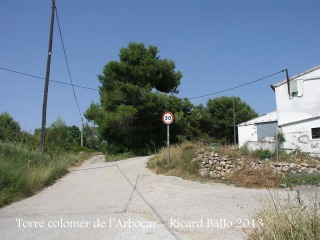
[[221, 111], [9, 128], [130, 108], [200, 124], [59, 136]]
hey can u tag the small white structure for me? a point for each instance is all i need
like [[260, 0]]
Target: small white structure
[[259, 133], [298, 108]]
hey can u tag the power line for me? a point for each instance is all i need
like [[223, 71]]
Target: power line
[[228, 89], [65, 56], [225, 90], [33, 76]]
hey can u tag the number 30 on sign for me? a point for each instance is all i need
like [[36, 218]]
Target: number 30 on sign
[[167, 118]]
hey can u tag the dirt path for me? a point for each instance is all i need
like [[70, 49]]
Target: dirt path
[[124, 200]]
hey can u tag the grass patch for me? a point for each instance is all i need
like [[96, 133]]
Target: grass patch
[[181, 161], [24, 172], [287, 219], [292, 180]]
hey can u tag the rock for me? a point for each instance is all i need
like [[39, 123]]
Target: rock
[[204, 172], [213, 174], [218, 168], [285, 168], [304, 164], [293, 166], [222, 163], [310, 171]]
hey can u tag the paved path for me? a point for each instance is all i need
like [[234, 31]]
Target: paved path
[[124, 200]]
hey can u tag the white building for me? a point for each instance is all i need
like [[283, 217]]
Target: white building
[[298, 108], [297, 115], [259, 132]]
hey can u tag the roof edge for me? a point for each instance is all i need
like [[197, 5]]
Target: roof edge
[[273, 86]]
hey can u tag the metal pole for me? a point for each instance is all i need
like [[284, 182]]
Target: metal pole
[[46, 85], [168, 143], [277, 146]]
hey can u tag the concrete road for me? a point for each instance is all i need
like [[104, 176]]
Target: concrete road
[[124, 200]]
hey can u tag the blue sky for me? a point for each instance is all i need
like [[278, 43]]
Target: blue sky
[[215, 44]]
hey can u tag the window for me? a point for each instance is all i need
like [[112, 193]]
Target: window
[[315, 133]]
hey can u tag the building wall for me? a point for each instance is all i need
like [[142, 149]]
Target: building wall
[[304, 104], [299, 112], [246, 134], [298, 136]]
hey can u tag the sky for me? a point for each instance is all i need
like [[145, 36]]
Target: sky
[[216, 44]]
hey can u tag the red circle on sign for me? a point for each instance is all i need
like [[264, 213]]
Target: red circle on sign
[[168, 118]]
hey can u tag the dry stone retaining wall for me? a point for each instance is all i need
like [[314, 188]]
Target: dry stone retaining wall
[[215, 166]]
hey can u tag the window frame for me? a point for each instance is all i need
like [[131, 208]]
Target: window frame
[[315, 133]]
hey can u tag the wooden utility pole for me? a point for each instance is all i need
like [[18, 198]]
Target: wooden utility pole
[[81, 132], [234, 123], [46, 85]]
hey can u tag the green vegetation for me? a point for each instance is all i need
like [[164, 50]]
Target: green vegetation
[[24, 171], [292, 180], [287, 219], [221, 113], [181, 161], [133, 99]]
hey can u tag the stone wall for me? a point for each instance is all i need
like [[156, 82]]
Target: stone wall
[[215, 166]]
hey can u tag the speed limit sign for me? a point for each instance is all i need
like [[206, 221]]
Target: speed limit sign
[[167, 118]]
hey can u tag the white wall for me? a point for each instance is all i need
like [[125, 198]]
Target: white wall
[[246, 134], [306, 105], [298, 136]]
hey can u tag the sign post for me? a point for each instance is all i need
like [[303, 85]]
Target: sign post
[[168, 118]]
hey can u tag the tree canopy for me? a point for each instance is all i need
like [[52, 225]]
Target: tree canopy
[[221, 111], [131, 102], [9, 128], [138, 88]]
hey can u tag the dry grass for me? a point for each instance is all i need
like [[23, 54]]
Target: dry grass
[[288, 219], [181, 161], [255, 178]]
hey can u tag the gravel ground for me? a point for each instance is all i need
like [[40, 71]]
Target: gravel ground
[[124, 200]]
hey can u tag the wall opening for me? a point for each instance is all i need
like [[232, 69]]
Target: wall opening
[[315, 133]]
